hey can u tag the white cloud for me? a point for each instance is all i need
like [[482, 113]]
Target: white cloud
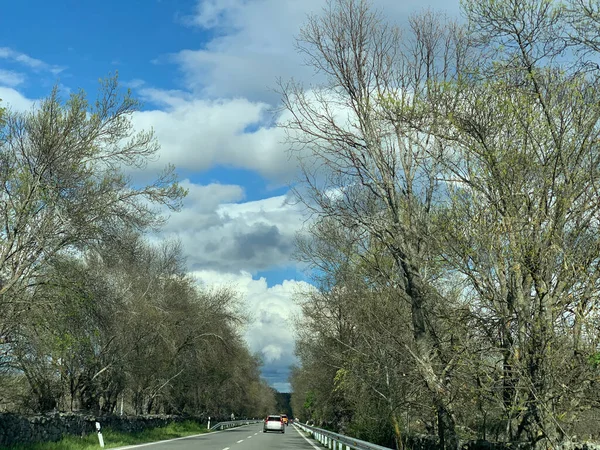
[[11, 78], [197, 135], [273, 311], [133, 84], [220, 235], [15, 100], [28, 61], [254, 46], [254, 43], [224, 115], [209, 197]]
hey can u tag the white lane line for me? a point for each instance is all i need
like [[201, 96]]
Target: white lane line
[[127, 447], [306, 439], [249, 437], [240, 441], [226, 448], [163, 441], [255, 433]]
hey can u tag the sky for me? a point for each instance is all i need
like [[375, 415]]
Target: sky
[[206, 71]]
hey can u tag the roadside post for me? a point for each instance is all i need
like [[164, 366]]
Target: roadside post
[[208, 426], [100, 438]]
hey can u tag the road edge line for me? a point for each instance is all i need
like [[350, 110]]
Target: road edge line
[[305, 438], [127, 447]]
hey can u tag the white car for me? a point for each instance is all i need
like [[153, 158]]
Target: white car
[[274, 423]]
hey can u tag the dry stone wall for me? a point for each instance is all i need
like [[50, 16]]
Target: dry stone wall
[[16, 429]]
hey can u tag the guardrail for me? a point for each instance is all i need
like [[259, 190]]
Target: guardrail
[[233, 423], [336, 441]]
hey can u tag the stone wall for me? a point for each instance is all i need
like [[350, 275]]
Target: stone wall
[[16, 429]]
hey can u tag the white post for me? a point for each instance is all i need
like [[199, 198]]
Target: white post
[[122, 397], [208, 426], [100, 438]]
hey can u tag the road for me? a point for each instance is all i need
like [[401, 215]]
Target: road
[[248, 437]]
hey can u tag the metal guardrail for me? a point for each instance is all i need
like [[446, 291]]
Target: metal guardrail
[[233, 423], [336, 441]]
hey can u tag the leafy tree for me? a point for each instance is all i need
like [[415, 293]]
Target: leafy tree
[[367, 167], [454, 177], [128, 324], [64, 186]]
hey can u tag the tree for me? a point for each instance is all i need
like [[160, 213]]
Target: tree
[[458, 169], [125, 322], [64, 186], [523, 221], [365, 165]]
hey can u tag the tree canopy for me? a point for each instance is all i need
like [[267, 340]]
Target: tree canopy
[[452, 172], [94, 317]]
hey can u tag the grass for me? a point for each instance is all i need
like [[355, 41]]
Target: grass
[[114, 439]]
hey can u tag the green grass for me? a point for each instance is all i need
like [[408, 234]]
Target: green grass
[[114, 439]]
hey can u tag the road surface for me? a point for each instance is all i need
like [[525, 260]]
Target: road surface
[[247, 437]]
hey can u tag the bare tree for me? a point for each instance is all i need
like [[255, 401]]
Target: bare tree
[[364, 163]]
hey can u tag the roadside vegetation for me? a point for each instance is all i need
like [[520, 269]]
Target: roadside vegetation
[[95, 315], [453, 170], [114, 439]]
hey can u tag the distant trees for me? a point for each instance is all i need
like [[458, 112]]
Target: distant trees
[[93, 316], [130, 324], [453, 175]]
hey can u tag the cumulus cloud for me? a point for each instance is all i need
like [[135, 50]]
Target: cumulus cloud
[[14, 99], [253, 46], [197, 134], [254, 43], [273, 312], [223, 116], [11, 78], [228, 237]]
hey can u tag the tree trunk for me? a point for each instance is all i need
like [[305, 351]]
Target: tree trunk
[[397, 432], [425, 348], [446, 428]]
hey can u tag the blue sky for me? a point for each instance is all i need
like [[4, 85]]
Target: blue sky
[[206, 71]]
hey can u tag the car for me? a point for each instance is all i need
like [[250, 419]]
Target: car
[[274, 423], [284, 417]]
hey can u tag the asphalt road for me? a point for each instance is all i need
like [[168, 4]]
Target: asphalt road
[[248, 437]]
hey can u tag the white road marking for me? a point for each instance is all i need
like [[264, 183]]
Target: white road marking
[[127, 447], [163, 441], [226, 448], [306, 439], [255, 433], [241, 440], [249, 437]]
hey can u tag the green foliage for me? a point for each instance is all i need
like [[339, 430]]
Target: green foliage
[[64, 186], [92, 315], [309, 400], [92, 337], [458, 276], [594, 360], [113, 439]]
